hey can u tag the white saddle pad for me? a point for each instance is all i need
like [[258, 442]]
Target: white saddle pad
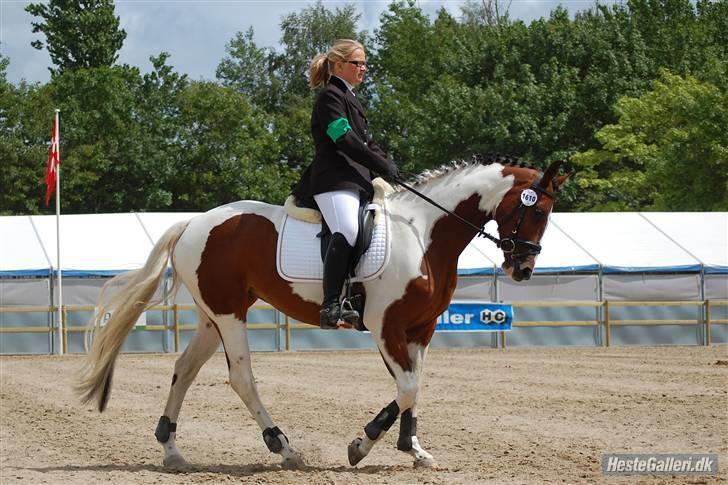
[[299, 250]]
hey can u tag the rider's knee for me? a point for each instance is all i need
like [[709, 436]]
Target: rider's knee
[[350, 230]]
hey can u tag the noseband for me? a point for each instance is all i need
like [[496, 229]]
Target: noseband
[[507, 245]]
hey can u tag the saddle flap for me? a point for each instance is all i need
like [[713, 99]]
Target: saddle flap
[[298, 257]]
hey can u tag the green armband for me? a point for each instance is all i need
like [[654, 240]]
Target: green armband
[[338, 128]]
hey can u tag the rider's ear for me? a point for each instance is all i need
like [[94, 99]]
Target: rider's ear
[[550, 173]]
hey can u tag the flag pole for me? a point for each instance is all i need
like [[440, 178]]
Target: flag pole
[[59, 276]]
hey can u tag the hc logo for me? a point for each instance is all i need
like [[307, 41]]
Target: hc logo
[[489, 316]]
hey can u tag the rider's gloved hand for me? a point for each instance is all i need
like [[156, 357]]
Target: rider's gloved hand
[[393, 172]]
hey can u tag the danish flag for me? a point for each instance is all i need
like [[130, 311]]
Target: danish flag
[[54, 160]]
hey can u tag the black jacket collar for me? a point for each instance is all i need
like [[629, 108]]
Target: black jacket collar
[[339, 83]]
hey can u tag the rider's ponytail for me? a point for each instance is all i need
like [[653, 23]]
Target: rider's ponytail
[[318, 71]]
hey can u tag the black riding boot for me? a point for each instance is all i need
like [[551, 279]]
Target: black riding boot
[[336, 265]]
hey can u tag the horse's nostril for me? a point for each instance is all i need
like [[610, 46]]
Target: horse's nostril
[[527, 273]]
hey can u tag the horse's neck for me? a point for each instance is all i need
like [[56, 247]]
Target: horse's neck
[[472, 193]]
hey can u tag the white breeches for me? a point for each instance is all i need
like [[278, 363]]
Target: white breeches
[[340, 209]]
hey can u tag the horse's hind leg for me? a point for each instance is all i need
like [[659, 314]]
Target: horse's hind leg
[[198, 351], [235, 339]]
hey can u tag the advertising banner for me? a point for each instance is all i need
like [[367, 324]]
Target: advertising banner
[[493, 317]]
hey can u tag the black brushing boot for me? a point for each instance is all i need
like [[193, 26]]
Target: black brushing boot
[[336, 266]]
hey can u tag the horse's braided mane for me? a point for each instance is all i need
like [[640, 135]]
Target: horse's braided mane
[[475, 159]]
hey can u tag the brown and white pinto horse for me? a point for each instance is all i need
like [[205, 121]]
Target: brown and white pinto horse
[[227, 260]]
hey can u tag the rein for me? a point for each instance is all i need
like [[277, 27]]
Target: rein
[[478, 230], [507, 245]]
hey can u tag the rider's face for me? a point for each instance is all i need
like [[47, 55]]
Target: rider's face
[[352, 70]]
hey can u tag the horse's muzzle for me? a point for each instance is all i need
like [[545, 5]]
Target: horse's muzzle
[[519, 271]]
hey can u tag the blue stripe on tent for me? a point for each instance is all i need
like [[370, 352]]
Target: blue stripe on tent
[[476, 271], [688, 268], [69, 273], [486, 271], [566, 269], [716, 269], [99, 273], [691, 268], [78, 273], [44, 273], [489, 271]]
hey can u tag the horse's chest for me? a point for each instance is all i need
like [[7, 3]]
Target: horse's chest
[[429, 293]]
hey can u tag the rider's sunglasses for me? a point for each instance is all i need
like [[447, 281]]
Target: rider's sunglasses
[[358, 64]]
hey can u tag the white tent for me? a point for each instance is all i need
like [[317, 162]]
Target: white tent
[[155, 223], [559, 253], [627, 242], [21, 251], [95, 244], [586, 256], [703, 235]]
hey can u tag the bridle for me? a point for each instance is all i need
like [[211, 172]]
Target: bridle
[[507, 245], [528, 248]]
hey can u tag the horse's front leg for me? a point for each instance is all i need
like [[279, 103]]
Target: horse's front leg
[[406, 370], [408, 441], [410, 444]]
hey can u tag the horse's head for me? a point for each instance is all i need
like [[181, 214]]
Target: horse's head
[[523, 215]]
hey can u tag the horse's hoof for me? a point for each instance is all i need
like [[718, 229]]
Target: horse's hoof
[[355, 454], [174, 462], [293, 462], [425, 463]]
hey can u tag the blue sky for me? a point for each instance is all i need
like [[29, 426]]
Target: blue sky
[[195, 32]]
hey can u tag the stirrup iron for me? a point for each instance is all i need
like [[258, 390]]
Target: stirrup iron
[[348, 314]]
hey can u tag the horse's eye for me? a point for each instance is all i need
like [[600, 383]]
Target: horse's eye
[[539, 213]]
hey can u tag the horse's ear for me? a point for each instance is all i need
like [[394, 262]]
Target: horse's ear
[[561, 180], [550, 173]]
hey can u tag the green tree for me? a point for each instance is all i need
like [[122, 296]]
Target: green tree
[[248, 69], [668, 29], [26, 116], [277, 81], [79, 33], [669, 151], [304, 34], [104, 164], [307, 33], [226, 151], [291, 129], [406, 65], [157, 113], [489, 12], [438, 89]]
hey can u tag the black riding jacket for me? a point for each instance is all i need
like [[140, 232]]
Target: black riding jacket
[[348, 162]]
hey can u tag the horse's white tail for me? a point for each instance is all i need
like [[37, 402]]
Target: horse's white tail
[[125, 305]]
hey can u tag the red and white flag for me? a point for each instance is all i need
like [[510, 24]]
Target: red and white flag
[[54, 159]]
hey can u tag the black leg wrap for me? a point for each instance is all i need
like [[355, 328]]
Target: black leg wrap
[[270, 436], [407, 429], [164, 428], [384, 420]]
